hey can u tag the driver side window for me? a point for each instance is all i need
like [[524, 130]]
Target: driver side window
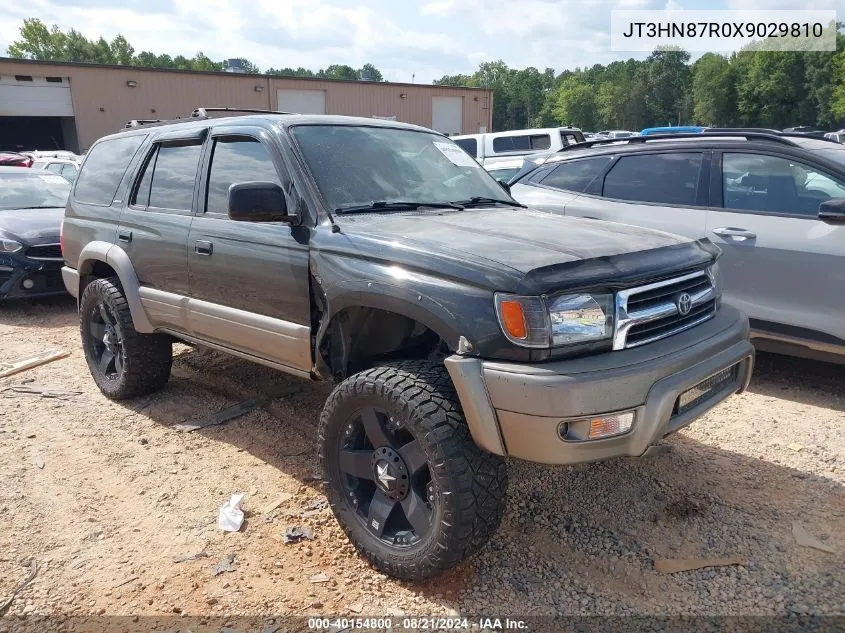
[[756, 182]]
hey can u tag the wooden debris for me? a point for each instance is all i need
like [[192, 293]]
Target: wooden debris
[[795, 447], [125, 581], [321, 577], [285, 496], [230, 413], [673, 566], [10, 369], [33, 569], [805, 539]]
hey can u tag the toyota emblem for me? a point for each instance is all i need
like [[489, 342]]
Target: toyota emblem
[[684, 303]]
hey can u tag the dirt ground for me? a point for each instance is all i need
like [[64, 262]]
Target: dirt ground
[[105, 496]]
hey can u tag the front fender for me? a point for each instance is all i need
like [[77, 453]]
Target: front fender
[[119, 261], [446, 306]]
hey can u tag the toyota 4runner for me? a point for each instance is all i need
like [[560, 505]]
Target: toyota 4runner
[[459, 326]]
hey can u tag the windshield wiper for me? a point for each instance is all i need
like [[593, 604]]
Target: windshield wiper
[[383, 205], [477, 200]]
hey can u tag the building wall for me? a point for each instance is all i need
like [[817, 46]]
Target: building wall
[[103, 103]]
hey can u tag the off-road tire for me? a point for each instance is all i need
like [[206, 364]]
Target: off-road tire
[[146, 358], [471, 483]]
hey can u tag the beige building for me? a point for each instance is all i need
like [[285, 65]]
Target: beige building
[[46, 105]]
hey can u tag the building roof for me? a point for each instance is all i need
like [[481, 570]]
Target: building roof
[[223, 73]]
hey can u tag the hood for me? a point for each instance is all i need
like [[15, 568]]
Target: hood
[[31, 225], [538, 251]]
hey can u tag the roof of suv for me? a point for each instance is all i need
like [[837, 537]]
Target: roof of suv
[[190, 123], [748, 140]]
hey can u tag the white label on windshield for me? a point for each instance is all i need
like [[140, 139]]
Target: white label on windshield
[[53, 179], [456, 154]]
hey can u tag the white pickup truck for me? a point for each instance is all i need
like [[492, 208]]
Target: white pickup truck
[[493, 147]]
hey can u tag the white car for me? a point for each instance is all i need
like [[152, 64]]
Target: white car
[[64, 167], [505, 169]]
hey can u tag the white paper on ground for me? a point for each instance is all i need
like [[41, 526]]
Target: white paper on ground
[[231, 517]]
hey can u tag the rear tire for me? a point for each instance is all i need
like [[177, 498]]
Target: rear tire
[[407, 484], [123, 363]]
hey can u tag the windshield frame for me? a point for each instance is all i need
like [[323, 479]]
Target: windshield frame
[[330, 210], [34, 177]]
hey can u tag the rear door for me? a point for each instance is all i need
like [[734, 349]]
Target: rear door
[[154, 226], [249, 281], [781, 265], [667, 191]]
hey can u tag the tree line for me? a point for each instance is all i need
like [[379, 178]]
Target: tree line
[[37, 41], [751, 88]]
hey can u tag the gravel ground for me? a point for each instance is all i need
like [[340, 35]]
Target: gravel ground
[[104, 495]]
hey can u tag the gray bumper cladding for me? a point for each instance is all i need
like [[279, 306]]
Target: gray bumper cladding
[[523, 410]]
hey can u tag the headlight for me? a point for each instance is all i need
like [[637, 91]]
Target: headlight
[[555, 321], [10, 246], [581, 318]]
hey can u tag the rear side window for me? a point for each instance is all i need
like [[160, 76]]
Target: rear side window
[[576, 175], [659, 178], [523, 142], [104, 168], [236, 159], [169, 177], [469, 145], [55, 168]]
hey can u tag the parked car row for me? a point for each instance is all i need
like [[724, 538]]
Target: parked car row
[[62, 163]]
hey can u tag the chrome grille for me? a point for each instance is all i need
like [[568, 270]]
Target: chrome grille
[[49, 252], [650, 313]]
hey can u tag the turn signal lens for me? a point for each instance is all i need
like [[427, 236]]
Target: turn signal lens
[[610, 425], [513, 319]]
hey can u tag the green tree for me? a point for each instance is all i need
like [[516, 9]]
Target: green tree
[[373, 72], [575, 103], [122, 51], [38, 42], [713, 91], [454, 80], [290, 72], [667, 77], [338, 71]]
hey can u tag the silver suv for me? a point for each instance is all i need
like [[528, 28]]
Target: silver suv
[[774, 204]]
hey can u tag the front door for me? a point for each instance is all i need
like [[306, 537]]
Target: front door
[[781, 265], [249, 282]]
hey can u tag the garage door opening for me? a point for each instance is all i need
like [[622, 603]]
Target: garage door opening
[[21, 133]]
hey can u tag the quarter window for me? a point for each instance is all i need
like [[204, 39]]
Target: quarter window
[[659, 178], [755, 182], [104, 167], [576, 175], [236, 159]]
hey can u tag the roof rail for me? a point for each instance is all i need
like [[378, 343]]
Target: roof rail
[[203, 112], [140, 122], [630, 140]]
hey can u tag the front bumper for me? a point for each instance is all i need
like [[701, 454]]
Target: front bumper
[[44, 278], [516, 409]]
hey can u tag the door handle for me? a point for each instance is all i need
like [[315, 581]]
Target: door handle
[[203, 247], [124, 236], [739, 235]]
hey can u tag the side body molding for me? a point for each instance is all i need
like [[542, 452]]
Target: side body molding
[[117, 258]]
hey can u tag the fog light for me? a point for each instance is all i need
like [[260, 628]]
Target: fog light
[[28, 284], [610, 425]]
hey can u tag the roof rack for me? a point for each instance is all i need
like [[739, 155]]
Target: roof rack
[[203, 112], [140, 122], [630, 140], [197, 115]]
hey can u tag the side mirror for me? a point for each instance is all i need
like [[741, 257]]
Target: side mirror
[[832, 211], [504, 184], [258, 202]]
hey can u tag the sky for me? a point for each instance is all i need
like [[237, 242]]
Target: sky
[[407, 41]]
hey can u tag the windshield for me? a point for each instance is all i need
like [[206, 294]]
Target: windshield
[[357, 165], [30, 190]]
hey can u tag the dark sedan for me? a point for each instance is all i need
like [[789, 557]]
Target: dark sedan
[[32, 204]]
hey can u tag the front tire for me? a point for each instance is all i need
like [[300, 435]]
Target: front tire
[[407, 484], [123, 363]]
